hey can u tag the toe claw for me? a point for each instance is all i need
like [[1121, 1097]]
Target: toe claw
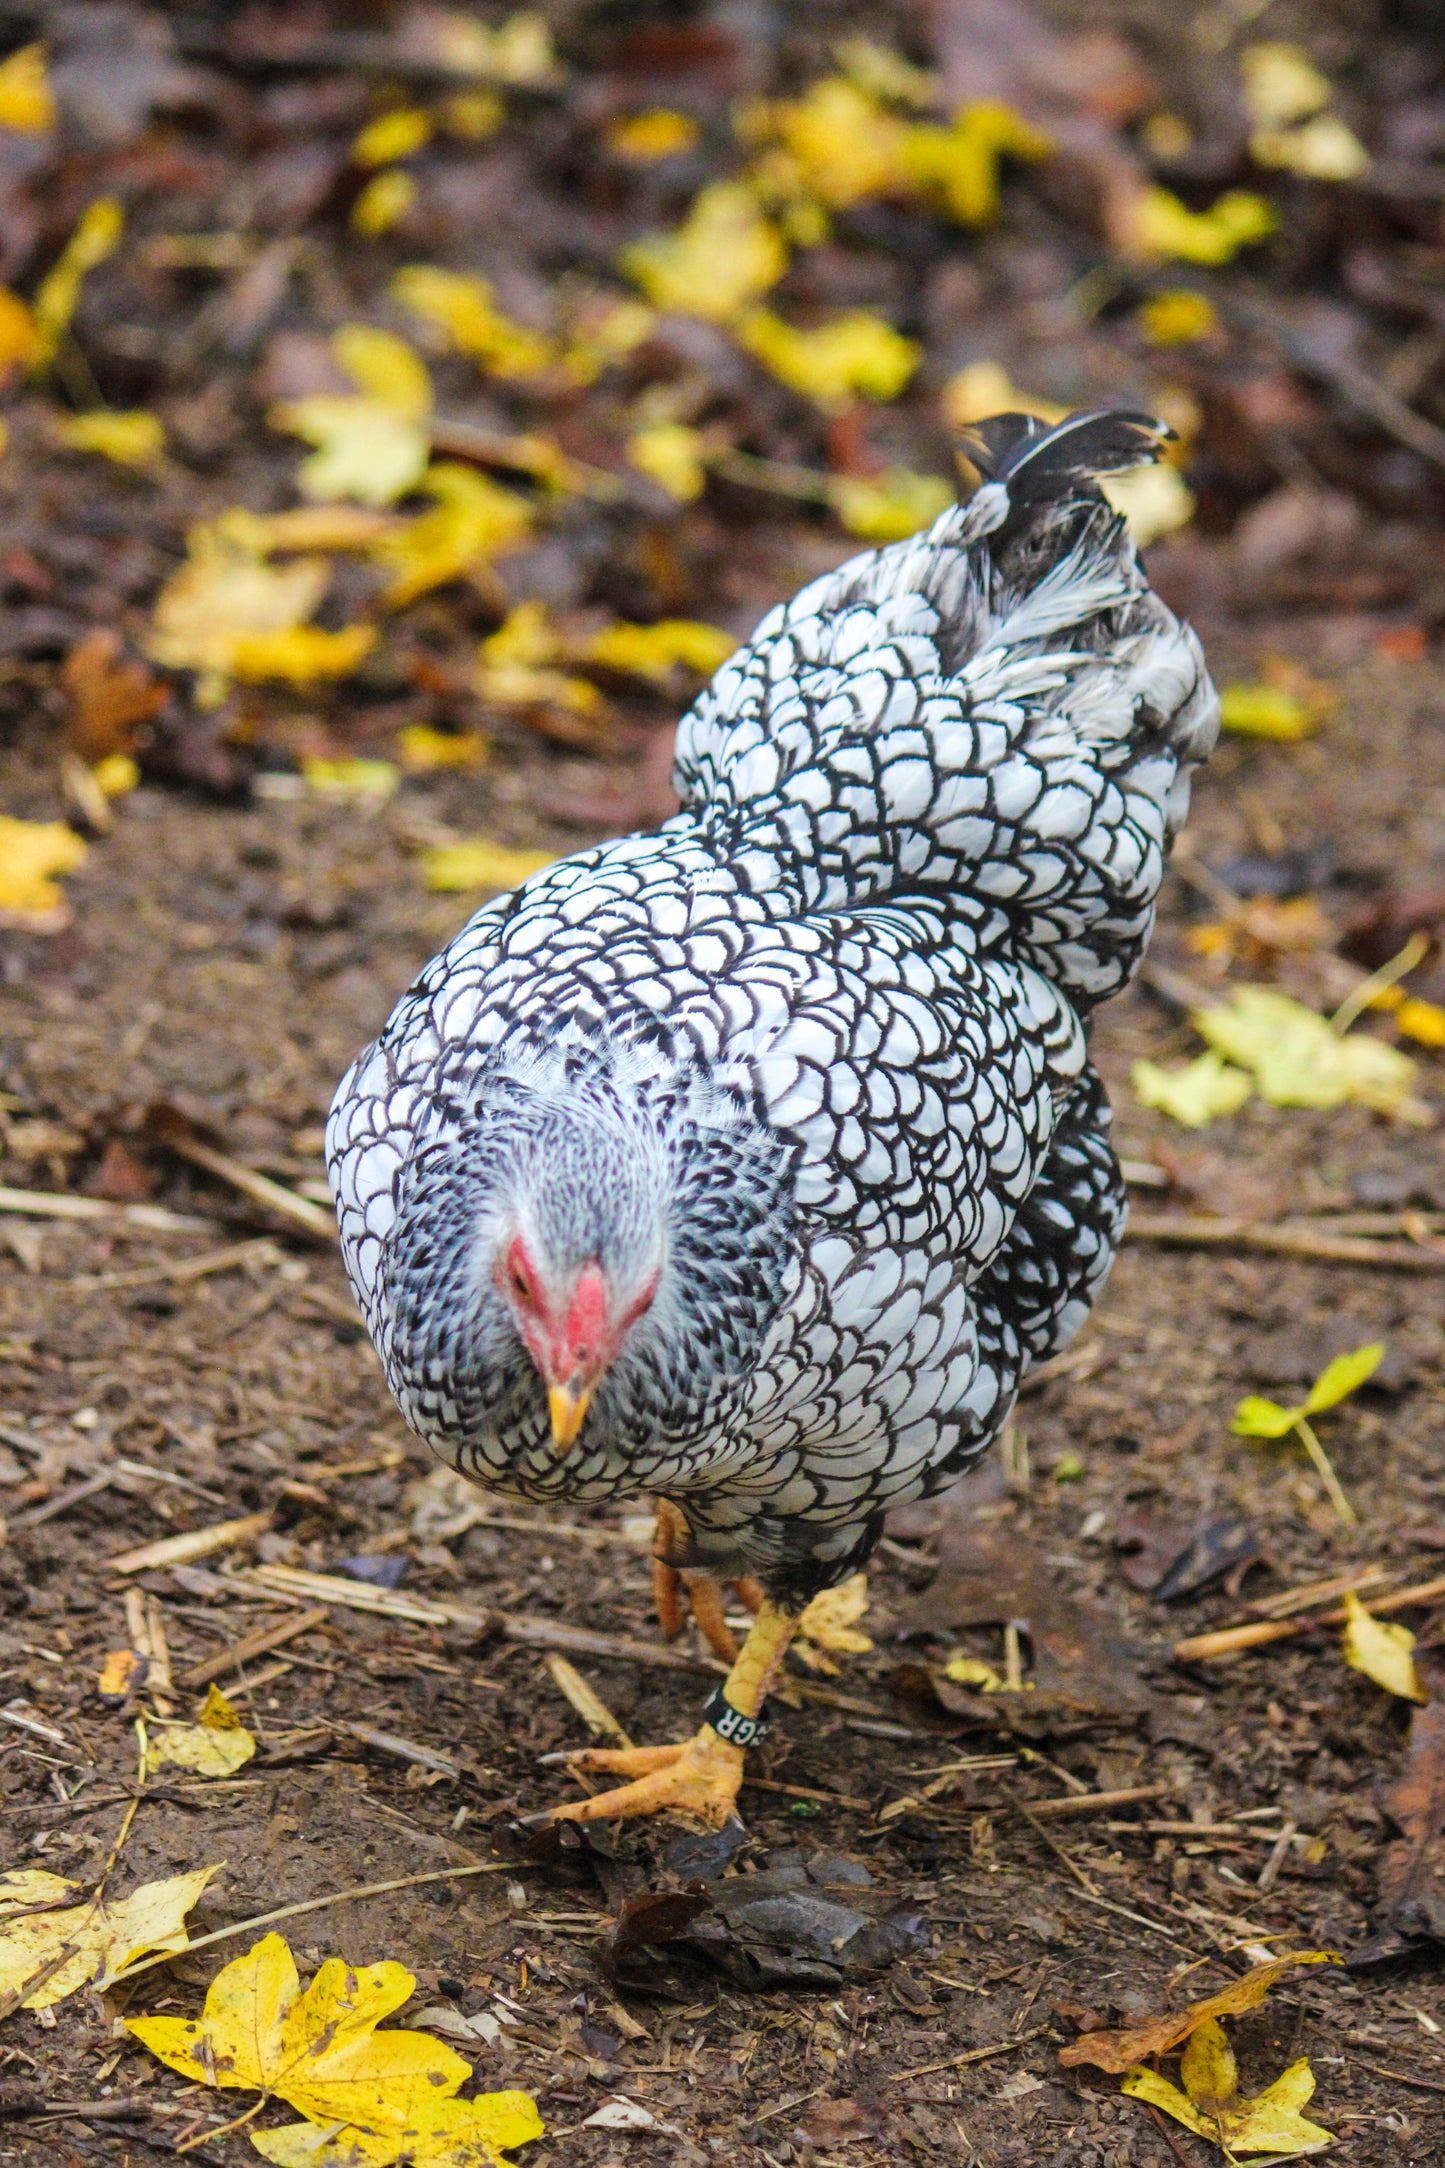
[[700, 1777]]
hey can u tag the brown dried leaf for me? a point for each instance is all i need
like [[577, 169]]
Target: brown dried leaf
[[110, 699], [1410, 1875], [1121, 2051]]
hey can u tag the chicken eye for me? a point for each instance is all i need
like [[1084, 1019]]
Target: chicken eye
[[521, 1285]]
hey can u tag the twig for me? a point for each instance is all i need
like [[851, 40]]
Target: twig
[[310, 1904], [1082, 1804], [1269, 1872], [1167, 2135], [28, 1723], [56, 1204], [1425, 2085], [259, 1643], [1199, 1231], [1090, 1888], [1228, 1640], [196, 1543], [585, 1699], [184, 1268], [36, 1516], [258, 1187], [387, 1742], [806, 1791], [956, 2062]]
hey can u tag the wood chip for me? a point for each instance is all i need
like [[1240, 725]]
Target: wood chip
[[198, 1543], [93, 1485], [259, 1643], [406, 1750]]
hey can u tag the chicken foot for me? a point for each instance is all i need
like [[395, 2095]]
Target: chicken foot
[[678, 1588], [700, 1776]]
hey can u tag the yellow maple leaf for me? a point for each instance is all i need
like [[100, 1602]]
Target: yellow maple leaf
[[856, 355], [655, 651], [372, 2095], [301, 654], [383, 203], [1298, 1059], [1213, 2107], [476, 862], [645, 138], [392, 136], [515, 666], [27, 103], [1154, 500], [604, 330], [671, 455], [887, 507], [725, 256], [96, 236], [473, 521], [103, 1936], [1383, 1651], [132, 439], [828, 1626], [216, 1745], [461, 309], [1165, 228], [455, 2134], [372, 445], [844, 146], [1195, 1094], [959, 166], [31, 853], [22, 1887], [223, 594]]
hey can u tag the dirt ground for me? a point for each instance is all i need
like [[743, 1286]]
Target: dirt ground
[[237, 934]]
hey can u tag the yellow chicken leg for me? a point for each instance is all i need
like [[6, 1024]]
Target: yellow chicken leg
[[702, 1775], [678, 1587]]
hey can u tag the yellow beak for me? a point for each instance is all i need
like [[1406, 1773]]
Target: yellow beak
[[568, 1404]]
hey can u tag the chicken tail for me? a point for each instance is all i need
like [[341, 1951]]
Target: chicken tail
[[1031, 466]]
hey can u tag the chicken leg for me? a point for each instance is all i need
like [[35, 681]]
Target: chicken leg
[[678, 1587], [702, 1775]]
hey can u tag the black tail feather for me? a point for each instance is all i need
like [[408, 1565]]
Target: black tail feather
[[1041, 464]]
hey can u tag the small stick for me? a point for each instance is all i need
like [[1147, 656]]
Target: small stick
[[953, 2062], [56, 1204], [1080, 1805], [1269, 1872], [1167, 2135], [1198, 1231], [259, 1643], [196, 1543], [310, 1904], [62, 1502], [806, 1791], [1091, 1888], [406, 1750], [1203, 1648], [258, 1187], [588, 1704], [184, 1268], [1309, 1593]]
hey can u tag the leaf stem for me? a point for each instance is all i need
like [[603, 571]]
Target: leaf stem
[[1324, 1468]]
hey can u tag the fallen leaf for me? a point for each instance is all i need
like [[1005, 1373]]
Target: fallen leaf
[[375, 2095], [474, 520], [122, 1674], [1180, 317], [392, 136], [828, 1627], [1410, 1871], [1266, 711], [853, 356], [1382, 1650], [22, 1887], [655, 651], [225, 593], [725, 256], [671, 455], [96, 236], [890, 506], [1164, 228], [645, 138], [518, 52], [19, 337], [959, 166], [422, 750], [452, 868], [973, 1671], [1281, 84], [372, 446], [383, 203], [301, 654], [134, 439], [27, 103], [985, 388], [1194, 1095], [1423, 1021], [351, 781], [216, 1745], [1213, 2107], [1120, 2051], [1155, 501], [31, 854], [515, 667], [104, 1935], [1322, 149], [1256, 1417], [841, 145], [109, 699], [460, 308], [1297, 1059]]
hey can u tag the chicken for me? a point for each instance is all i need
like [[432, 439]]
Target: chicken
[[752, 1164]]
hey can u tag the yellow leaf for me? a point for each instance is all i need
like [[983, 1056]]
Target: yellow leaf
[[514, 666], [1282, 85], [309, 527], [474, 521], [518, 52], [885, 74], [451, 868], [372, 446], [671, 455], [1266, 711], [1256, 1417], [1154, 500], [19, 337], [1345, 1375], [1178, 318], [724, 256], [644, 138], [1322, 149], [461, 309], [392, 136], [887, 507], [1213, 2107], [133, 439], [103, 1935], [1119, 2051], [1194, 1095], [383, 203], [473, 115], [844, 147], [973, 1671], [654, 651], [451, 2134], [848, 357], [27, 103], [1383, 1651], [21, 1887], [216, 1745], [301, 654], [1163, 227], [352, 782], [31, 852], [237, 2040], [605, 330], [830, 1623], [223, 594], [96, 236], [117, 774], [959, 166], [984, 388], [526, 636], [1421, 1020], [424, 750], [1299, 1060]]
